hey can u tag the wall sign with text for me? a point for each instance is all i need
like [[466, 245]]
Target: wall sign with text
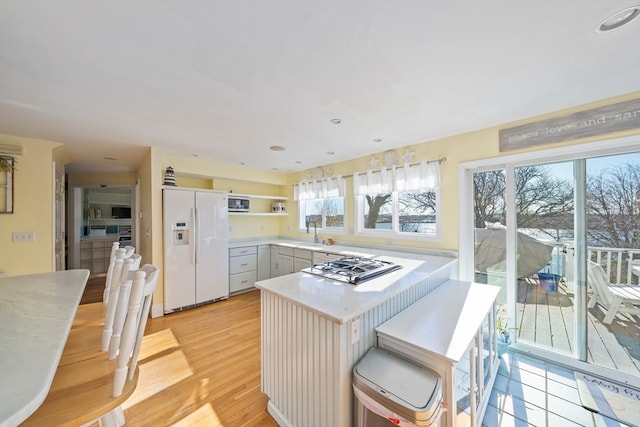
[[597, 121]]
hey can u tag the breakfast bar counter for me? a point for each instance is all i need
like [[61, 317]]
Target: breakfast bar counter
[[36, 314]]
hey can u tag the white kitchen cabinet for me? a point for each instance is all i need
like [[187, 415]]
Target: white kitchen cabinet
[[452, 331], [291, 260], [243, 266], [95, 254], [285, 264], [302, 258], [274, 261], [264, 262], [322, 257]]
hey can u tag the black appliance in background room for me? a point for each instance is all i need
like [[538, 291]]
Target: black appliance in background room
[[121, 212]]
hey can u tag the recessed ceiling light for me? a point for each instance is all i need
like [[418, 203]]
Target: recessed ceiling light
[[377, 140], [618, 19], [194, 155], [275, 169], [336, 121], [110, 158], [298, 162], [276, 148], [331, 153]]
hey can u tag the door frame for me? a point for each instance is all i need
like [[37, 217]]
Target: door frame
[[509, 162]]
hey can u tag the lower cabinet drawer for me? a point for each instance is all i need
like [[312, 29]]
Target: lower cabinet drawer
[[242, 281], [241, 264]]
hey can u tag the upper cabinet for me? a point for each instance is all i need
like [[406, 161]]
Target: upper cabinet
[[119, 197]]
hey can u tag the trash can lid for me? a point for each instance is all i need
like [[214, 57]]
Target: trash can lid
[[417, 386]]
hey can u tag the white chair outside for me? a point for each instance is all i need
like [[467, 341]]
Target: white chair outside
[[624, 299]]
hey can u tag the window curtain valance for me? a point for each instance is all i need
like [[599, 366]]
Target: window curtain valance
[[416, 177], [329, 187]]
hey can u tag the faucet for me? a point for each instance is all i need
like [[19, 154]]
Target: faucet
[[315, 231]]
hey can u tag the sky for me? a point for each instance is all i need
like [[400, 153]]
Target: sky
[[594, 165]]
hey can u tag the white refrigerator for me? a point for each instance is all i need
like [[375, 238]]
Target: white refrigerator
[[196, 254]]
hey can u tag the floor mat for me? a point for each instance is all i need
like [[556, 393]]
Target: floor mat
[[608, 399]]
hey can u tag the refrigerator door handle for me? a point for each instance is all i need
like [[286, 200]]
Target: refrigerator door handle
[[194, 238]]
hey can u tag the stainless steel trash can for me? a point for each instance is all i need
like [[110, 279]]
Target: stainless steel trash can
[[392, 391]]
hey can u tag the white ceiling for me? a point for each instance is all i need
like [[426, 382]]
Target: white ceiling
[[225, 80]]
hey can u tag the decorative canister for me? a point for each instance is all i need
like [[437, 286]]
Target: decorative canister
[[275, 208], [169, 177]]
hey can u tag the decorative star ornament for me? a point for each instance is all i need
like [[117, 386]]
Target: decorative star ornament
[[373, 163], [408, 157]]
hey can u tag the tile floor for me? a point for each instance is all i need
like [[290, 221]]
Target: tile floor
[[531, 392]]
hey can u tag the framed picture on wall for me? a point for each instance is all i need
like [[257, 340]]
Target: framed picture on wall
[[6, 184]]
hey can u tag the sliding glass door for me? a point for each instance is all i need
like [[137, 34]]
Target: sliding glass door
[[541, 229]]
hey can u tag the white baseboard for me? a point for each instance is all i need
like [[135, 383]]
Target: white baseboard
[[277, 415]]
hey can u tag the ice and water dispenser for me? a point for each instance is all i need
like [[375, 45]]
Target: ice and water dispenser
[[181, 231]]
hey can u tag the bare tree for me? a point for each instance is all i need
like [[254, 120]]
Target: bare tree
[[542, 201], [488, 197], [613, 206], [375, 203], [334, 212]]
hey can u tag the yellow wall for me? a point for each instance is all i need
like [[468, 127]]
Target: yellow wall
[[32, 209], [457, 149], [33, 185], [96, 179]]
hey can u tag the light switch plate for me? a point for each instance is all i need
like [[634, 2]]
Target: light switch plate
[[23, 236]]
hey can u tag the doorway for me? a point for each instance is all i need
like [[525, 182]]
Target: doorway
[[536, 222], [98, 216]]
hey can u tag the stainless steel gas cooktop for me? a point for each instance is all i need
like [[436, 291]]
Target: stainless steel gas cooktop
[[353, 270]]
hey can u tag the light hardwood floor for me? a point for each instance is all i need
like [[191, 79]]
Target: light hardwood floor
[[201, 367]]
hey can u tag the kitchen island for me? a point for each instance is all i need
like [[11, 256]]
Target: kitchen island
[[314, 330]]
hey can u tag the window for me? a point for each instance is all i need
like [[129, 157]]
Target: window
[[398, 213], [321, 202], [402, 201], [327, 213]]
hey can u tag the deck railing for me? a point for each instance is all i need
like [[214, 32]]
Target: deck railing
[[617, 262]]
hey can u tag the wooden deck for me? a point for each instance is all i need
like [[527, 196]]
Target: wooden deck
[[547, 320]]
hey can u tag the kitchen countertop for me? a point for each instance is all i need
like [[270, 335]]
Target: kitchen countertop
[[445, 330], [346, 250], [36, 314], [341, 302]]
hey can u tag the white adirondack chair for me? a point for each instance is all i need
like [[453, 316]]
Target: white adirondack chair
[[624, 299]]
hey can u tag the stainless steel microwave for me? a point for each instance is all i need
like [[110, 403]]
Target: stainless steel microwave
[[238, 203]]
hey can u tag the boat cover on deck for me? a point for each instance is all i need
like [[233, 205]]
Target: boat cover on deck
[[490, 249]]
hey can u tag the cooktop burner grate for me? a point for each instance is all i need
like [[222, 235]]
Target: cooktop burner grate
[[353, 269]]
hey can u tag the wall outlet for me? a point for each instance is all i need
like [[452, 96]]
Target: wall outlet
[[23, 236], [355, 330]]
